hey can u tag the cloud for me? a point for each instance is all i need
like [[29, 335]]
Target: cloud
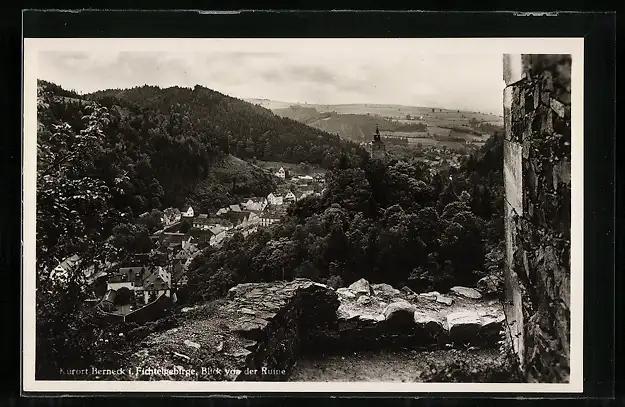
[[328, 74]]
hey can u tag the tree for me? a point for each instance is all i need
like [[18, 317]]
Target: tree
[[74, 211], [124, 296], [185, 226]]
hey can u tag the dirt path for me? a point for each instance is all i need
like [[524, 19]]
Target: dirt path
[[405, 366]]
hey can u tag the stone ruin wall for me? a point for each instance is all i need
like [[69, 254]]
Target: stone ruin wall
[[271, 325], [537, 173]]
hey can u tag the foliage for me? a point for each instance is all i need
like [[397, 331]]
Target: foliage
[[459, 371], [233, 126]]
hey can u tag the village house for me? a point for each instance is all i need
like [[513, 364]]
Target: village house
[[200, 237], [107, 303], [202, 221], [255, 204], [238, 219], [188, 213], [90, 273], [128, 277], [156, 284], [219, 233], [64, 267], [290, 197], [281, 173], [253, 218], [306, 192], [275, 199], [249, 230], [269, 218], [169, 238]]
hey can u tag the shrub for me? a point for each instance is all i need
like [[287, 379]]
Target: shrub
[[334, 282]]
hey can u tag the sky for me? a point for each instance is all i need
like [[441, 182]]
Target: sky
[[300, 71]]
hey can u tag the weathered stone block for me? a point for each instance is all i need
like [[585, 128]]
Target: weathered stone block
[[513, 175], [507, 112], [463, 325], [466, 292], [361, 287], [557, 107]]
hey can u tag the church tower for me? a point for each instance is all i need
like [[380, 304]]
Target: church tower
[[378, 150]]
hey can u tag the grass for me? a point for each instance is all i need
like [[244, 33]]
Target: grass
[[472, 365]]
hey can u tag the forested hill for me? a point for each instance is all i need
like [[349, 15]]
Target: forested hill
[[238, 127]]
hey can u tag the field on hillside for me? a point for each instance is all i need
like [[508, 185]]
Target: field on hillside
[[438, 117], [269, 104], [293, 168]]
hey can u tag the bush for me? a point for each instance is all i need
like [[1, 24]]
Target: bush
[[139, 333], [334, 282]]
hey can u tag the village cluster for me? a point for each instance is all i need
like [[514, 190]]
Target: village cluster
[[132, 289]]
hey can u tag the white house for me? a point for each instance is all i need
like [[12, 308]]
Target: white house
[[281, 173], [267, 219], [219, 233], [255, 204], [253, 219], [188, 213], [290, 197], [155, 285], [275, 199], [249, 230], [306, 193], [223, 211]]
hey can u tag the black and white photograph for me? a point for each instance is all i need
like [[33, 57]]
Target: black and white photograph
[[298, 213]]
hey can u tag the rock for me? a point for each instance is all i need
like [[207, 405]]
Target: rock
[[489, 285], [463, 326], [192, 344], [251, 329], [247, 311], [400, 312], [433, 295], [491, 324], [429, 323], [444, 300], [399, 299], [405, 290], [181, 356], [345, 313], [240, 353], [371, 318], [364, 300], [346, 293], [384, 290], [466, 292], [361, 287]]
